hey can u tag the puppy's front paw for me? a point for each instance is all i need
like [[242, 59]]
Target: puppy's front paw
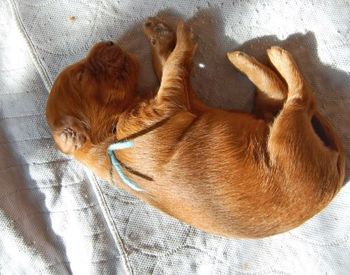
[[160, 35], [70, 137], [72, 140]]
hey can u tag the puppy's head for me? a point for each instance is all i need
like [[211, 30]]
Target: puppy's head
[[93, 91], [113, 71]]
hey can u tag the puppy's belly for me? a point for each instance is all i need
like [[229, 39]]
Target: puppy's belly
[[234, 201], [214, 173], [219, 179]]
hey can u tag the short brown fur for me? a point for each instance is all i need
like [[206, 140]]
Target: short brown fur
[[228, 173]]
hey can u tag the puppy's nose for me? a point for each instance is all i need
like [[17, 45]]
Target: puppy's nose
[[110, 43]]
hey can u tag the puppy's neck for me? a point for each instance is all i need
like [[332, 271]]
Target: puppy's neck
[[94, 153], [95, 157]]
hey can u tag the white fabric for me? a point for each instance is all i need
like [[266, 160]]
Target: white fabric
[[57, 218]]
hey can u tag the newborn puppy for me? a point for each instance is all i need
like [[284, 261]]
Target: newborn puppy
[[228, 173]]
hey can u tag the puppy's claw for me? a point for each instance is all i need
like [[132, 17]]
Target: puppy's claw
[[69, 140], [70, 136]]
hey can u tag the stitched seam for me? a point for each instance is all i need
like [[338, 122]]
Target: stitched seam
[[62, 161], [33, 53], [108, 217], [23, 140], [122, 198], [35, 188], [23, 116], [167, 252], [336, 242]]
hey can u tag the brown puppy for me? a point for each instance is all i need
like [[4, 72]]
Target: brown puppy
[[228, 173]]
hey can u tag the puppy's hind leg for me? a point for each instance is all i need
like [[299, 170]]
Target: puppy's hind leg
[[298, 90], [293, 124], [307, 156], [271, 91]]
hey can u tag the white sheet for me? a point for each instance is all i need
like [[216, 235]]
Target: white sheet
[[57, 218]]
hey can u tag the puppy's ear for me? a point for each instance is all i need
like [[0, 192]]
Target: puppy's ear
[[70, 135]]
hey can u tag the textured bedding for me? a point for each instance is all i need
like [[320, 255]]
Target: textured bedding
[[58, 218]]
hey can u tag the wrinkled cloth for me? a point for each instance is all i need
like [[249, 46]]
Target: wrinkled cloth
[[56, 217]]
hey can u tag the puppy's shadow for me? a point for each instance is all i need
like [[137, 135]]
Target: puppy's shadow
[[220, 85]]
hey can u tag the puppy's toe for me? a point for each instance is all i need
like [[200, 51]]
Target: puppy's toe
[[286, 66], [280, 57], [158, 32], [239, 59], [69, 140]]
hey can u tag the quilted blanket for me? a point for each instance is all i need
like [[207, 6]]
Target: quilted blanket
[[58, 218]]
